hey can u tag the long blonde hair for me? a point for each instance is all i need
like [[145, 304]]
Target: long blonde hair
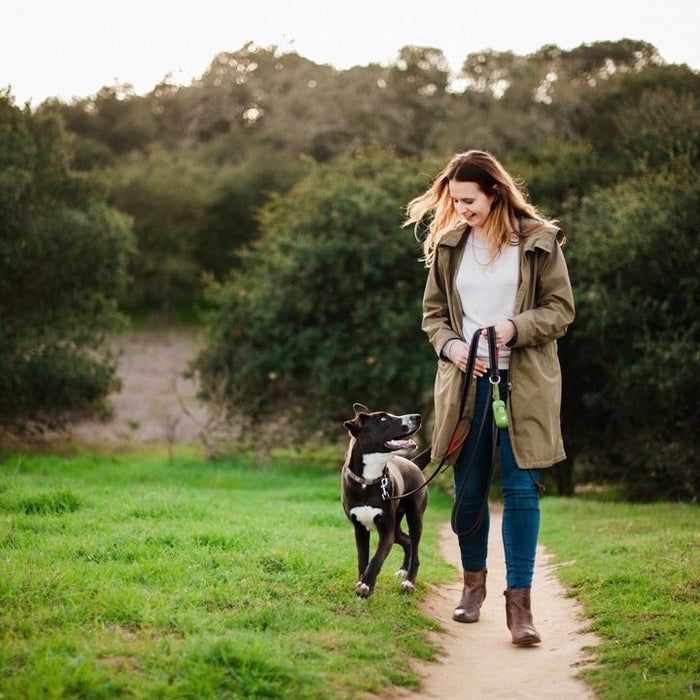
[[508, 206]]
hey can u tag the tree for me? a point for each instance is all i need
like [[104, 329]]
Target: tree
[[555, 171], [237, 190], [416, 85], [647, 117], [631, 357], [515, 103], [192, 210], [167, 194], [326, 306], [63, 257], [115, 117]]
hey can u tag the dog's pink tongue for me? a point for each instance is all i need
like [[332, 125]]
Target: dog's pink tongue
[[401, 444]]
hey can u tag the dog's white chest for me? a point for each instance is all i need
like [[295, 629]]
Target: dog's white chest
[[366, 516]]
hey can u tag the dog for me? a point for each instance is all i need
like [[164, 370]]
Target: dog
[[379, 486]]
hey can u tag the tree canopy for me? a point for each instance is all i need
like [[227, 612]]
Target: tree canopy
[[632, 355], [271, 190], [63, 258], [326, 306]]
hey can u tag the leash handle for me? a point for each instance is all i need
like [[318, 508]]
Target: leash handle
[[494, 376], [469, 371]]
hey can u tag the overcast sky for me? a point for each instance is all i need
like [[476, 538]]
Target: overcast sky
[[69, 48]]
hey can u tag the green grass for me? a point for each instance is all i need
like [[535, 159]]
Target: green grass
[[135, 577], [132, 576], [636, 570]]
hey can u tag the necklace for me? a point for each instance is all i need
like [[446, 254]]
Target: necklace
[[474, 246]]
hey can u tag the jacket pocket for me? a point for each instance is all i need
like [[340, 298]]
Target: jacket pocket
[[548, 357]]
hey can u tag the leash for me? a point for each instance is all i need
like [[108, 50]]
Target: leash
[[456, 441], [500, 417]]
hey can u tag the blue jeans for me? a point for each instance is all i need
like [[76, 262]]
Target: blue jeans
[[521, 501]]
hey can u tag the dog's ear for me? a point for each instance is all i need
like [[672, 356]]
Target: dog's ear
[[353, 426]]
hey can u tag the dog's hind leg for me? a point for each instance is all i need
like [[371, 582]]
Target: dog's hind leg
[[415, 530], [402, 539]]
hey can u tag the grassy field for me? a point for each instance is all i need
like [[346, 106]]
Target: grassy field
[[636, 570], [140, 578], [137, 577]]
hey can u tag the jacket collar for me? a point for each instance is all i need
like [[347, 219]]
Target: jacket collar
[[454, 235], [541, 236]]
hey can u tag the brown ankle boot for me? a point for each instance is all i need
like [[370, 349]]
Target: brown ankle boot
[[519, 617], [473, 595]]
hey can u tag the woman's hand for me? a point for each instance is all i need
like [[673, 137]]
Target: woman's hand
[[505, 332], [459, 356]]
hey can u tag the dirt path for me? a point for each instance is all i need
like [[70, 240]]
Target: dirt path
[[147, 409], [479, 661]]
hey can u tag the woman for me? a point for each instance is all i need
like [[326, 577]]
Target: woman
[[494, 261]]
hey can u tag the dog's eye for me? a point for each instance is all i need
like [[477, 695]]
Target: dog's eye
[[383, 418]]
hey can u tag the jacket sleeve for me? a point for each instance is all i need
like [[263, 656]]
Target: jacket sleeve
[[436, 313], [553, 309]]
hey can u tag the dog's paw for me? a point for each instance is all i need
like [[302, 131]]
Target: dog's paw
[[401, 573], [362, 590], [408, 587]]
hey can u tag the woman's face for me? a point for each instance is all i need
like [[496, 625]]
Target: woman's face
[[471, 202]]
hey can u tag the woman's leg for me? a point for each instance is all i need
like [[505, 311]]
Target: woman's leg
[[471, 515], [521, 522], [521, 510], [471, 480], [521, 517]]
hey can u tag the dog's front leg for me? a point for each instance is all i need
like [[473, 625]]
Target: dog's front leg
[[386, 539], [362, 546]]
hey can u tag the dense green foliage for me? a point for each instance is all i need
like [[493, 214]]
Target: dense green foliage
[[63, 257], [632, 356], [278, 185], [326, 307], [210, 153], [635, 569], [143, 578], [192, 216]]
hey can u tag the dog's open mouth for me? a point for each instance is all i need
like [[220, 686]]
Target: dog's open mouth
[[400, 444]]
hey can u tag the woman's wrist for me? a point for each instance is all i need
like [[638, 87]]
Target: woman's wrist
[[514, 339], [445, 352]]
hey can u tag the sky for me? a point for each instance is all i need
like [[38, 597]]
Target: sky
[[72, 48]]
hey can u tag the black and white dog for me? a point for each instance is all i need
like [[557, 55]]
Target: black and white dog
[[379, 487]]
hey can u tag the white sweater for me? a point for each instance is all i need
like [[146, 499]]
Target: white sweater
[[487, 291]]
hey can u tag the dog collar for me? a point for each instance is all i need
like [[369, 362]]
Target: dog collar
[[365, 482]]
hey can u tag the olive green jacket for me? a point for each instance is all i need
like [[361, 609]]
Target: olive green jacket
[[544, 308]]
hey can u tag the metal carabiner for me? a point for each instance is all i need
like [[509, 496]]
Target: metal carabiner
[[386, 488]]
